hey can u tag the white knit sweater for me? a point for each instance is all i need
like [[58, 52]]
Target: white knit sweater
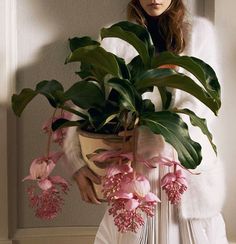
[[205, 195]]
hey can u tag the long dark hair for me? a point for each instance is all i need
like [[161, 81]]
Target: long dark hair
[[172, 23]]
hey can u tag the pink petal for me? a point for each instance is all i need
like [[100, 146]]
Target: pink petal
[[148, 163], [117, 169], [58, 180], [131, 204], [55, 156], [168, 178], [50, 168], [161, 160], [124, 195], [108, 154], [45, 184], [139, 186], [128, 155], [182, 181], [38, 168], [29, 177], [151, 197]]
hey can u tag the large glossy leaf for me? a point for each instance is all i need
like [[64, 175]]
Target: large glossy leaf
[[136, 68], [200, 122], [201, 70], [131, 33], [62, 123], [84, 41], [166, 97], [85, 94], [123, 68], [97, 57], [171, 78], [126, 90], [50, 89], [175, 132]]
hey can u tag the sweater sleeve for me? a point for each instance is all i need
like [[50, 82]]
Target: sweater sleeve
[[202, 46], [72, 149], [205, 195]]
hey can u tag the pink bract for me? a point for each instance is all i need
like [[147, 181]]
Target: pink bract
[[175, 185], [139, 185]]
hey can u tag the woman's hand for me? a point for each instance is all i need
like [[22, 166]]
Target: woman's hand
[[84, 178]]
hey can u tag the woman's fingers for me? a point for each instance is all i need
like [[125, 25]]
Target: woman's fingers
[[92, 176], [84, 178], [92, 196]]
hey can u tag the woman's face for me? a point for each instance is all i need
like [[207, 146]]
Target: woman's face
[[155, 7]]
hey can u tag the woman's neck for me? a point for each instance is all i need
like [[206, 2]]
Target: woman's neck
[[154, 29]]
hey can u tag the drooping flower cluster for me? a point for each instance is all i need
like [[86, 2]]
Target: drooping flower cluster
[[47, 199], [175, 185], [127, 192]]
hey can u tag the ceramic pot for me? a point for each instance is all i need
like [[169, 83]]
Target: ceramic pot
[[90, 142]]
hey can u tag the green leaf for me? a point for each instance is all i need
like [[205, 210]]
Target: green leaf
[[166, 97], [170, 78], [52, 90], [123, 68], [84, 41], [201, 70], [148, 106], [101, 119], [136, 68], [63, 123], [49, 89], [175, 132], [126, 91], [19, 102], [200, 122], [98, 57], [85, 94], [134, 34]]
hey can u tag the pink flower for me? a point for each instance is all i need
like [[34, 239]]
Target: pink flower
[[139, 185], [115, 169], [175, 185], [41, 168], [47, 202], [58, 135], [104, 155]]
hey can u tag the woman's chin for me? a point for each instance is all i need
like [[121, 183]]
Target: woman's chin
[[155, 12]]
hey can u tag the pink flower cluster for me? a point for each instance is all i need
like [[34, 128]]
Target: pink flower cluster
[[175, 185], [128, 193], [46, 199]]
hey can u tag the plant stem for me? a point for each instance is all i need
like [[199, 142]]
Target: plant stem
[[50, 135], [175, 168], [134, 149], [125, 131]]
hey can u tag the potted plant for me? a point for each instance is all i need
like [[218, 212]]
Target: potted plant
[[109, 98]]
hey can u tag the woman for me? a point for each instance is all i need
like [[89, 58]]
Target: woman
[[197, 219]]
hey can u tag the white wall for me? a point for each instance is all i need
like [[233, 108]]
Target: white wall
[[226, 27], [43, 28]]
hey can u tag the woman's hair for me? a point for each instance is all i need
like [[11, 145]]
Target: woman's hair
[[171, 23]]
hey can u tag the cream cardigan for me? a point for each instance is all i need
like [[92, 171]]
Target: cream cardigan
[[205, 195]]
